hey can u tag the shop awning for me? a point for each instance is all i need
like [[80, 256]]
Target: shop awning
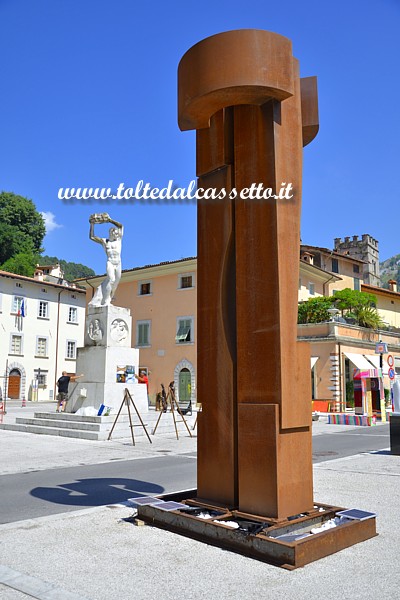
[[375, 359], [359, 361], [314, 360]]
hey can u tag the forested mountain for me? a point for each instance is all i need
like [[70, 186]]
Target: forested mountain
[[390, 269], [71, 270]]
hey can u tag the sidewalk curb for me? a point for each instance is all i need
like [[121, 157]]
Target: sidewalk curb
[[34, 587]]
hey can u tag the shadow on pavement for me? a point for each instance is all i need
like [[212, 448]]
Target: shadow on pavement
[[96, 491]]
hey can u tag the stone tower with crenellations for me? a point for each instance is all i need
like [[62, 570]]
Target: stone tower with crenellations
[[366, 249]]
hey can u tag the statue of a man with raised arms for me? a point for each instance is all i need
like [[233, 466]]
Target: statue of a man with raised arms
[[112, 246]]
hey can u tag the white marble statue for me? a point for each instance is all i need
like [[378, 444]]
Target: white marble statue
[[106, 290]]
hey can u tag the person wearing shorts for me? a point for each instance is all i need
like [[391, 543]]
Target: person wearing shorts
[[62, 384]]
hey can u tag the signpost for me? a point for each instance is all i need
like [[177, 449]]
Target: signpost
[[381, 349]]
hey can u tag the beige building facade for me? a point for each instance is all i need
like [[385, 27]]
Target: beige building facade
[[387, 303], [314, 282], [347, 269]]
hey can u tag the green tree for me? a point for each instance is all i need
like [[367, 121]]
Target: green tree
[[359, 306], [21, 264], [349, 301], [314, 310], [12, 242], [20, 213]]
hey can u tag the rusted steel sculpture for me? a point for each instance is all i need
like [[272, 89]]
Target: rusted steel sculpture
[[241, 91]]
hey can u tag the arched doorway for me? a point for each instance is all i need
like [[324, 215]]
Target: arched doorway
[[14, 384], [185, 382], [185, 385]]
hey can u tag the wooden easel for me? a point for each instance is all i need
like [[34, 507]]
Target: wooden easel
[[195, 422], [174, 405], [127, 400]]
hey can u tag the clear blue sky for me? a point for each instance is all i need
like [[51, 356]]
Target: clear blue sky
[[88, 98]]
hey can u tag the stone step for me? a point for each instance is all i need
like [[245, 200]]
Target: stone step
[[149, 419], [72, 417], [60, 423], [64, 424], [37, 429]]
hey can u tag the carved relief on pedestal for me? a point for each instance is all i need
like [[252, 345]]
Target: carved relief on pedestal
[[119, 331], [95, 330]]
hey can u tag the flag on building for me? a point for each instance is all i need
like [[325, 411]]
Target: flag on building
[[20, 315], [21, 310]]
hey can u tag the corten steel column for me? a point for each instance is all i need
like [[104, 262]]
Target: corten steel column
[[241, 91]]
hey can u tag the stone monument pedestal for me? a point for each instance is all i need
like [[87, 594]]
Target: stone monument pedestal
[[108, 362]]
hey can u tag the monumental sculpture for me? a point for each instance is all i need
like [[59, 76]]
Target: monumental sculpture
[[242, 92], [112, 246]]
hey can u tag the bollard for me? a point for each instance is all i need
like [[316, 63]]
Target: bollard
[[23, 402]]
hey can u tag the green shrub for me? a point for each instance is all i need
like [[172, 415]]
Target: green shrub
[[350, 394], [387, 396]]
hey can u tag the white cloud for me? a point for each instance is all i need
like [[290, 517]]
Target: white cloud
[[49, 221]]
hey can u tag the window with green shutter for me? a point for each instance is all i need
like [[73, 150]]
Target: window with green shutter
[[184, 331], [143, 333]]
